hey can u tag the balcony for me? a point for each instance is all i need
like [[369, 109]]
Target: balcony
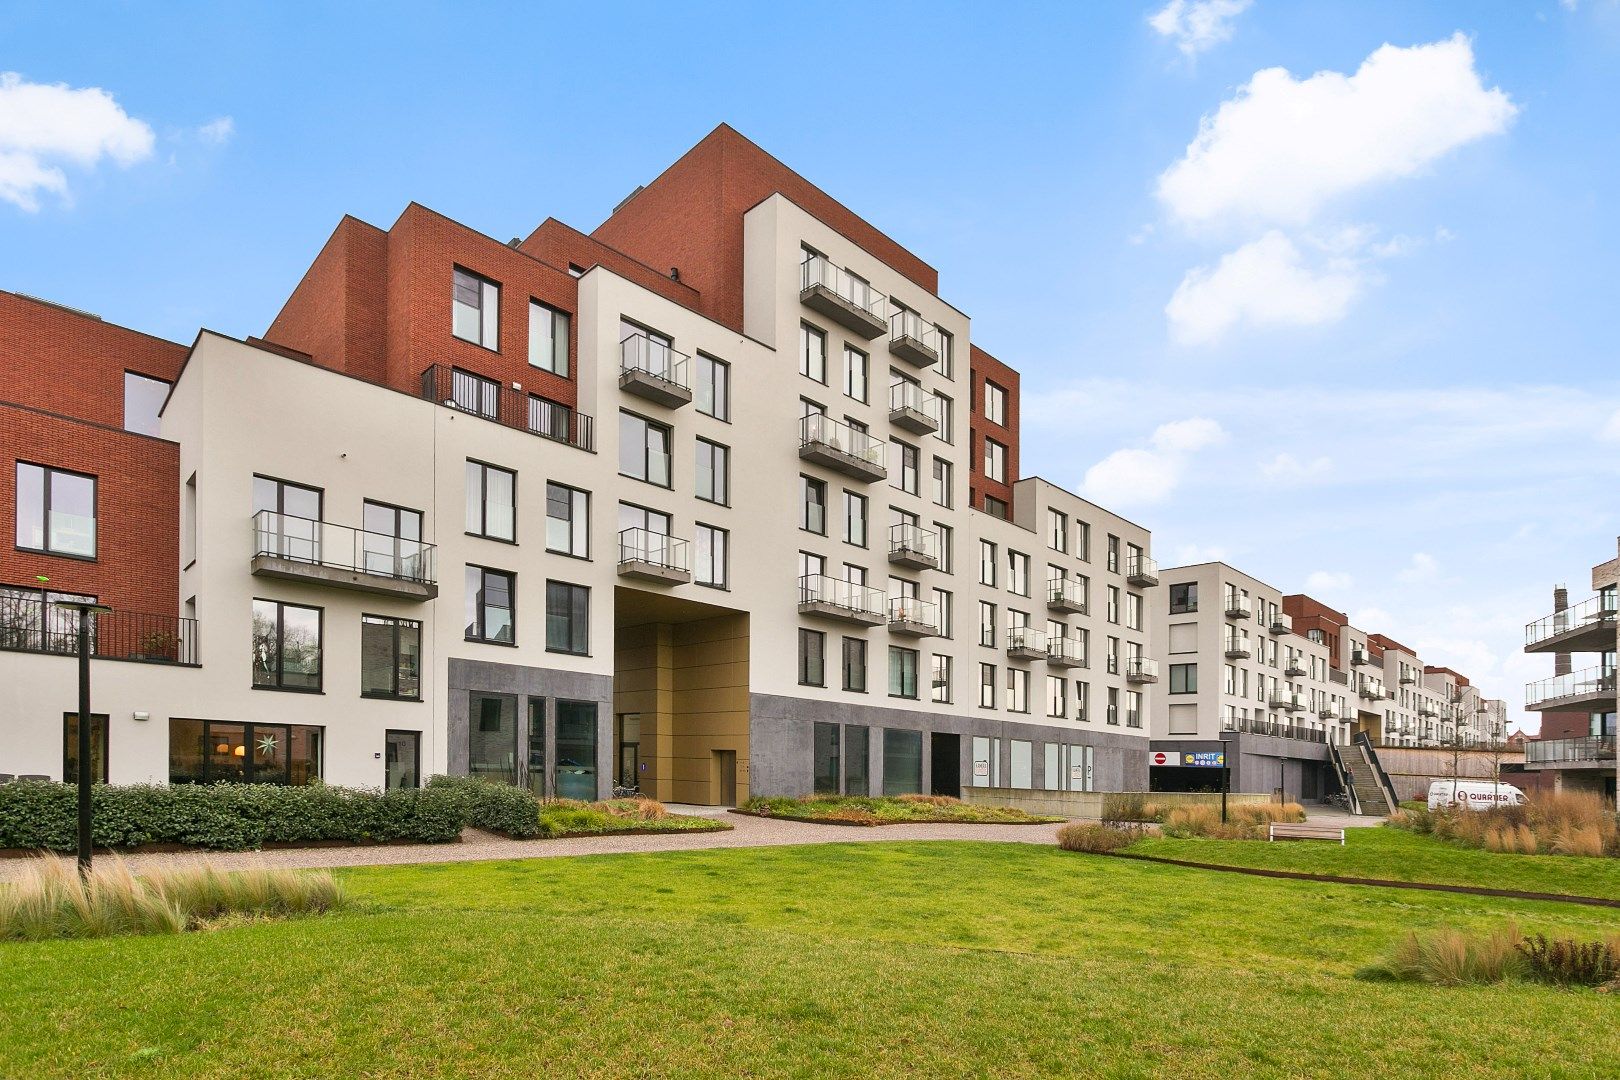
[[1065, 595], [841, 448], [1139, 669], [1408, 677], [1237, 648], [1428, 711], [913, 408], [651, 556], [1064, 652], [1141, 571], [1591, 689], [910, 545], [31, 623], [912, 339], [1294, 669], [651, 369], [913, 617], [1281, 624], [1026, 643], [834, 598], [1274, 729], [1587, 627], [1372, 690], [321, 553], [1328, 712], [1587, 751], [1360, 657], [1238, 609], [1287, 702], [488, 399], [843, 298]]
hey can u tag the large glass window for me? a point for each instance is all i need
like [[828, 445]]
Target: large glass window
[[824, 770], [70, 747], [995, 404], [855, 518], [855, 664], [902, 762], [568, 609], [713, 472], [902, 672], [214, 752], [903, 474], [857, 774], [644, 449], [942, 482], [56, 511], [286, 646], [548, 338], [713, 565], [713, 389], [143, 398], [812, 353], [402, 759], [568, 520], [1184, 678], [575, 776], [1020, 764], [995, 462], [392, 541], [287, 518], [812, 658], [475, 309], [491, 501], [390, 657], [986, 762], [489, 603], [940, 678], [1184, 598], [813, 505], [492, 731], [856, 367]]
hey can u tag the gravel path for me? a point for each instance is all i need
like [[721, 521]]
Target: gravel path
[[476, 845]]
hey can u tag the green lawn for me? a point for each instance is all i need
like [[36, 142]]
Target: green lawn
[[860, 960], [1398, 855]]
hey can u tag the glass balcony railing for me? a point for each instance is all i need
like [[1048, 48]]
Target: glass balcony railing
[[1588, 682], [910, 396], [913, 540], [1065, 650], [654, 549], [817, 271], [638, 352], [1066, 593], [1026, 637], [818, 430], [321, 543], [1142, 570], [1593, 748], [913, 612], [1598, 610], [908, 324], [1141, 669], [838, 593]]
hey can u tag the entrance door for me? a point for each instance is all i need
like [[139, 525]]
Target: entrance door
[[629, 753], [946, 771], [725, 763], [402, 759]]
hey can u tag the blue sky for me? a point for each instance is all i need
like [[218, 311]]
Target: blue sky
[[1359, 337]]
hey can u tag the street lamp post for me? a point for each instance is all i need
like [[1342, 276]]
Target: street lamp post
[[86, 609]]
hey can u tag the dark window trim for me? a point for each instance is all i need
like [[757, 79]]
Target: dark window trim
[[586, 651], [699, 439], [394, 669], [805, 324], [417, 736], [702, 354], [511, 575], [669, 442], [72, 776], [589, 496], [483, 503], [486, 279], [281, 635], [724, 586], [568, 349], [95, 510]]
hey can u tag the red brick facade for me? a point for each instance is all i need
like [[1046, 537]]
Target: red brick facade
[[1307, 614], [985, 368]]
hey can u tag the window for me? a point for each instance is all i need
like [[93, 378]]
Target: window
[[986, 762], [475, 394], [1020, 763], [947, 547], [856, 780], [713, 389], [286, 646], [1113, 554], [489, 605], [713, 472], [904, 475], [391, 541], [70, 747], [1184, 598], [402, 759], [1057, 531], [1133, 611], [475, 309], [995, 462], [902, 762], [824, 767], [995, 507], [548, 339], [987, 563], [568, 520], [812, 658], [942, 482], [568, 618], [390, 658], [713, 557], [855, 664], [1017, 690], [643, 449], [554, 420], [492, 737], [143, 398], [987, 624], [943, 602], [1113, 706], [1184, 678], [491, 501], [943, 413], [1057, 696], [212, 752], [855, 508], [1018, 573], [574, 773], [1133, 708], [1113, 604], [56, 511], [939, 677], [902, 672], [1082, 701], [995, 404], [812, 353], [987, 686], [856, 373], [1082, 540], [813, 505]]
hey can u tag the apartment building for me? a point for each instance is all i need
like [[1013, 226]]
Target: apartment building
[[719, 499], [1575, 749]]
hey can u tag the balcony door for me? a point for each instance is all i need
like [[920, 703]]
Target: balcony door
[[287, 517], [391, 544], [644, 535]]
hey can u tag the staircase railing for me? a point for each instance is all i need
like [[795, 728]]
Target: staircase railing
[[1378, 770], [1346, 781]]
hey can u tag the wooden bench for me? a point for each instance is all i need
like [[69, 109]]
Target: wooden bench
[[1288, 831]]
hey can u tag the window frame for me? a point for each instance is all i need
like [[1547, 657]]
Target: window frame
[[47, 472], [582, 631], [719, 386], [483, 501], [281, 646], [649, 425], [567, 318], [486, 323], [396, 623], [480, 608], [576, 521], [720, 477]]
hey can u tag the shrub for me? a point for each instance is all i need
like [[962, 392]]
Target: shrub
[[1098, 839], [498, 808], [1452, 958], [1566, 962], [50, 900], [1563, 823]]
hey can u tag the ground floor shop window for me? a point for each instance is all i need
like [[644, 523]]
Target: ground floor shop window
[[825, 751], [1080, 769], [403, 759], [492, 732], [576, 750], [1020, 767], [214, 751], [1052, 766], [902, 762], [537, 747], [857, 775], [986, 763], [70, 747]]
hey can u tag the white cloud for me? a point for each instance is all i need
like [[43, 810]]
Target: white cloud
[[1138, 476], [1284, 147], [1285, 468], [1327, 582], [1423, 567], [217, 131], [1266, 282], [1192, 554], [45, 126], [1197, 25]]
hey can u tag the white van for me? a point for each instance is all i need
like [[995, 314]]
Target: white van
[[1473, 794]]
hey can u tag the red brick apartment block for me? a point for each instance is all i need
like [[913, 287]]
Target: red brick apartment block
[[985, 368], [1308, 614], [61, 405]]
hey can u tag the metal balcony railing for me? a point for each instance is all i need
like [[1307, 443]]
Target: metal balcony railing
[[1273, 728], [321, 543], [1594, 748], [838, 593], [816, 270], [31, 623], [1588, 613], [1066, 593], [486, 398], [654, 549], [638, 352], [1591, 682]]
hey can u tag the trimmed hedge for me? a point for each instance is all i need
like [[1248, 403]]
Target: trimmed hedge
[[498, 808], [37, 815]]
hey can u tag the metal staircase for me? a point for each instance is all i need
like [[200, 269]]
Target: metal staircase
[[1372, 793]]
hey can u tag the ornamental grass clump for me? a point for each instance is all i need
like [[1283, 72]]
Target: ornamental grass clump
[[1555, 823], [51, 900], [1245, 821], [1448, 957], [1098, 838]]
